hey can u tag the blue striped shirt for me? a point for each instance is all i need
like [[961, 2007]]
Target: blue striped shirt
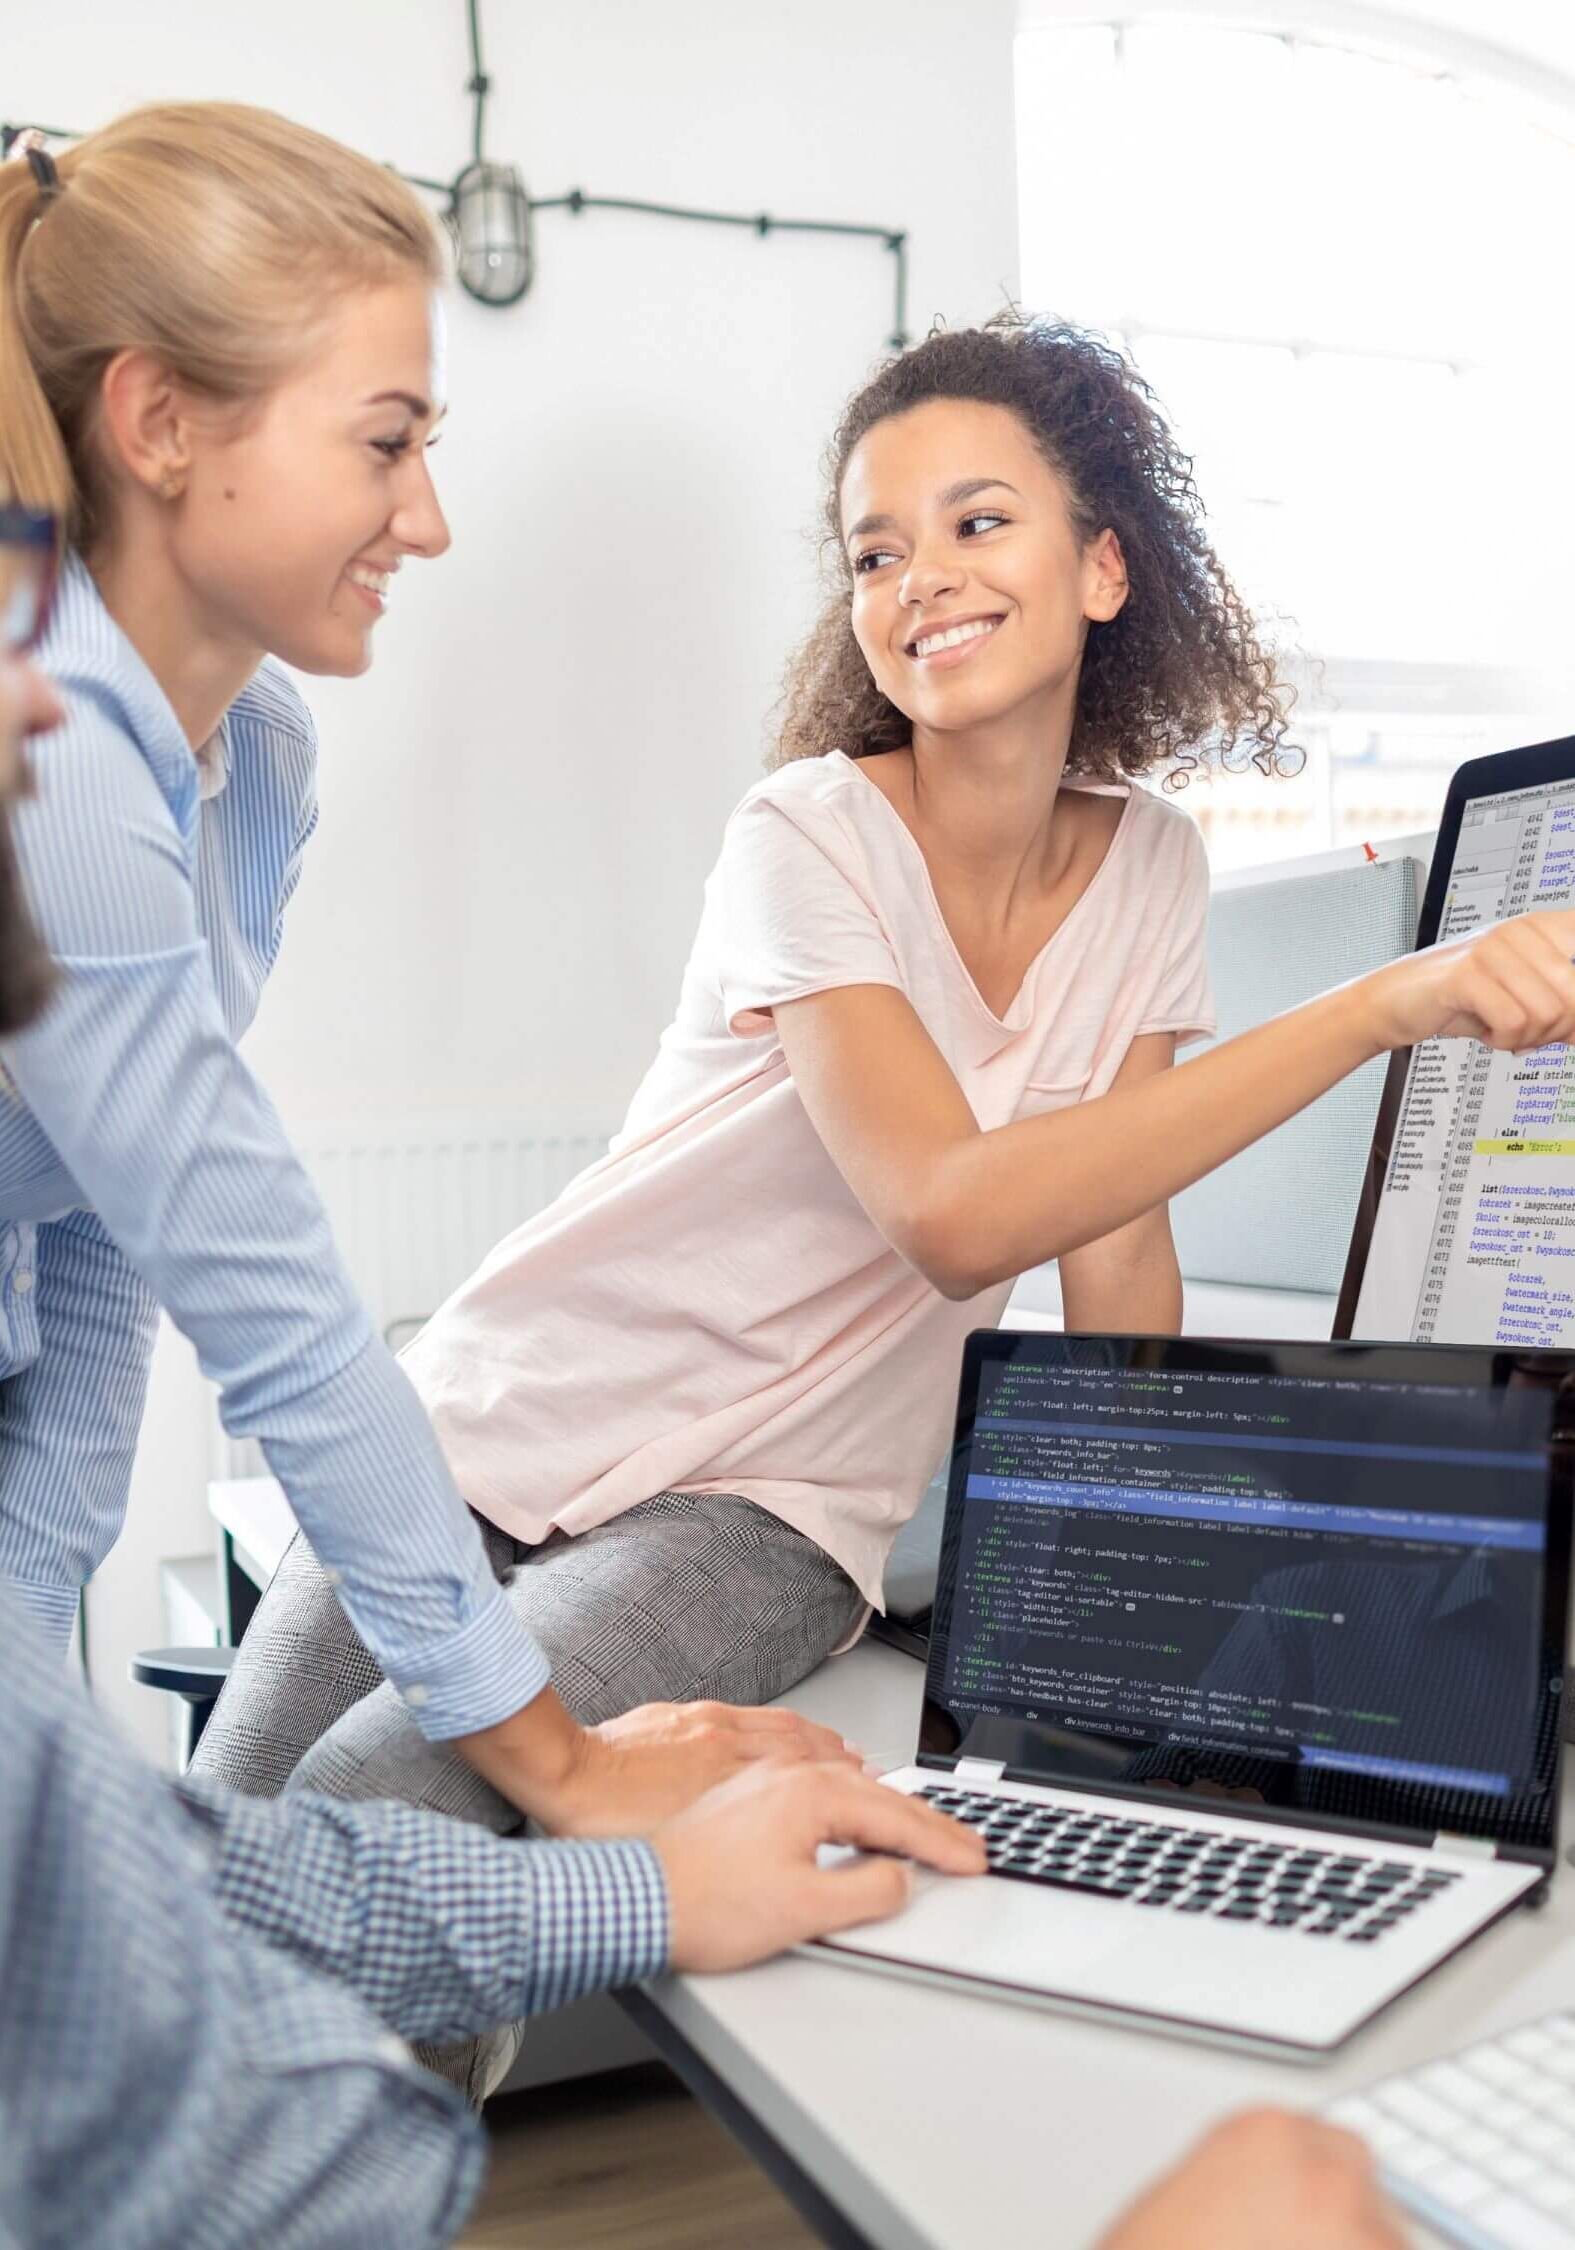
[[141, 1164], [206, 1997]]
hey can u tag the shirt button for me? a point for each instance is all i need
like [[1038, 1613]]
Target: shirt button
[[22, 1282], [415, 1696], [334, 1577]]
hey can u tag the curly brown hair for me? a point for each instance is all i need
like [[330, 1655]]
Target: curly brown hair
[[1178, 677]]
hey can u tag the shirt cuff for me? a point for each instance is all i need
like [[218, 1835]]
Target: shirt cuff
[[599, 1919], [477, 1677], [53, 1610]]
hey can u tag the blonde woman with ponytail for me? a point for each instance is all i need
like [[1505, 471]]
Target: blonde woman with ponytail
[[217, 374]]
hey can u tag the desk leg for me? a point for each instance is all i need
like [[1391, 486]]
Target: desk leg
[[241, 1593], [808, 2199]]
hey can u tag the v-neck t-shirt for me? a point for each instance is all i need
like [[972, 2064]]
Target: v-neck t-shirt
[[710, 1308]]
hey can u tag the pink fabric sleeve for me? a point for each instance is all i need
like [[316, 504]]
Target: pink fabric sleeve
[[797, 916], [1182, 1001]]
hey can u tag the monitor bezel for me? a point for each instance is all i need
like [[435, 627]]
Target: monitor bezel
[[1348, 1360], [1536, 767]]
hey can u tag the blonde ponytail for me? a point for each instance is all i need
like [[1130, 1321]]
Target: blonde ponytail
[[35, 469], [216, 237]]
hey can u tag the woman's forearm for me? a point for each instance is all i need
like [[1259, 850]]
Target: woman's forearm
[[1006, 1200], [1129, 1283]]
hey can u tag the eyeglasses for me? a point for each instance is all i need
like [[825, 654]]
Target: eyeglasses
[[29, 558]]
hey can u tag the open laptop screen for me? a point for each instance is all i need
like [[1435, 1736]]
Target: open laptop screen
[[1326, 1578], [1465, 1231]]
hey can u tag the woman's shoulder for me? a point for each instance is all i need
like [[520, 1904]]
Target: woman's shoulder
[[807, 788], [813, 813], [114, 758], [114, 706], [1164, 835], [801, 828]]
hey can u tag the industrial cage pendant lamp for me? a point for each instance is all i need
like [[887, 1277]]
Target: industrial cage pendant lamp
[[489, 213], [488, 209]]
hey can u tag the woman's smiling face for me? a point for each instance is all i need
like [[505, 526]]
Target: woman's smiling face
[[296, 515], [972, 591]]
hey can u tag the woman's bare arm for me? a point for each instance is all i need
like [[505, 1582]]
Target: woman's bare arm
[[969, 1208], [1128, 1281]]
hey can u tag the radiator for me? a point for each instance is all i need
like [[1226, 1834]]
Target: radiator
[[415, 1204]]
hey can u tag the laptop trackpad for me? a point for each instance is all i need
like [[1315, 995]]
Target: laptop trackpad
[[1058, 1938]]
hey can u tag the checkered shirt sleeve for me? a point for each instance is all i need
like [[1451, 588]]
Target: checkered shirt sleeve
[[442, 1929]]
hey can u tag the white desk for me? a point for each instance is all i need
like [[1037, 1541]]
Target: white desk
[[936, 2121], [258, 1518], [257, 1523]]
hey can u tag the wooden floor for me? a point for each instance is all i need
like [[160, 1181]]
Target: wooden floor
[[626, 2161]]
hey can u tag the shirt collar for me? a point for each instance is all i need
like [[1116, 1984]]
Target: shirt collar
[[213, 762]]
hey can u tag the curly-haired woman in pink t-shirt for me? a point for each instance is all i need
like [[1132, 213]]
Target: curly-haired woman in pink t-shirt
[[924, 1042]]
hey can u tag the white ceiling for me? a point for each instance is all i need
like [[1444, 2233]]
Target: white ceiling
[[1529, 44], [1543, 31], [1537, 30]]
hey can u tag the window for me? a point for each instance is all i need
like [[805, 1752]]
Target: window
[[1342, 275]]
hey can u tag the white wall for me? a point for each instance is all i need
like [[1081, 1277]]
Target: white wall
[[520, 802]]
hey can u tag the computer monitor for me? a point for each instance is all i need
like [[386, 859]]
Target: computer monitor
[[1465, 1230]]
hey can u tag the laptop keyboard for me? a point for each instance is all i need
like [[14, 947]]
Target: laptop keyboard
[[1349, 1895], [1482, 2145]]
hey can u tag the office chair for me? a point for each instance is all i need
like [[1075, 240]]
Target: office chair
[[194, 1674]]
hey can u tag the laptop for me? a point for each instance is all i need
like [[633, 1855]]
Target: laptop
[[1246, 1658], [1465, 1228]]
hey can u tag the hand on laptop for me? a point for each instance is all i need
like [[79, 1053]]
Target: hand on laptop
[[622, 1777], [1511, 985], [1267, 2176], [743, 1877]]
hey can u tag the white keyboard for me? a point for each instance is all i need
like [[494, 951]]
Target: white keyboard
[[1482, 2146]]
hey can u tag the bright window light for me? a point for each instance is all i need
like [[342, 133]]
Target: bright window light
[[1343, 276]]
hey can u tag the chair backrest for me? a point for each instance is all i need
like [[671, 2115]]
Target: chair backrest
[[1279, 1215]]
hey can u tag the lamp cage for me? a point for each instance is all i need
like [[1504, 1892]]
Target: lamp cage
[[489, 212]]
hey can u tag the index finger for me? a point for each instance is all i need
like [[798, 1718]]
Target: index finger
[[864, 1813]]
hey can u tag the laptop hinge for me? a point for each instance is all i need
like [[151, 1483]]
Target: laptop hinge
[[976, 1773], [1464, 1847]]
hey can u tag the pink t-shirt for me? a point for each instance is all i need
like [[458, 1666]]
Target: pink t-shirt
[[709, 1307]]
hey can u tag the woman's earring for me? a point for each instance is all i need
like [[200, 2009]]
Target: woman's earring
[[171, 485]]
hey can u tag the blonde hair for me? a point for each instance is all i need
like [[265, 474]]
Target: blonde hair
[[210, 234]]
